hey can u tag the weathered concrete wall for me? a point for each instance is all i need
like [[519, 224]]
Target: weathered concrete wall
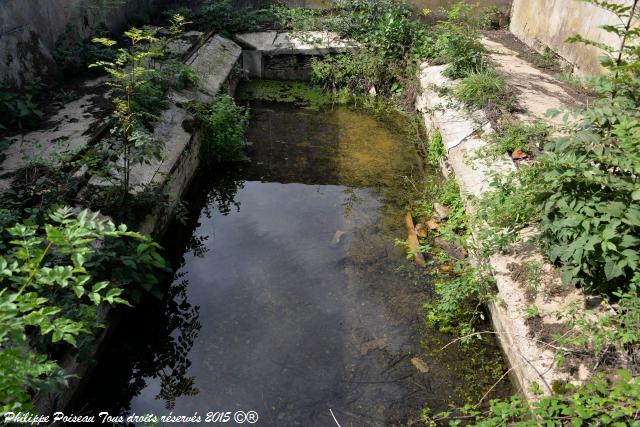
[[541, 23], [29, 30], [287, 56]]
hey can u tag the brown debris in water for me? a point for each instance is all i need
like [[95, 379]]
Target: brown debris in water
[[412, 240], [420, 365], [376, 344]]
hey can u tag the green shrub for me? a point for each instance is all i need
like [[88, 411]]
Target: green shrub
[[220, 16], [586, 183], [358, 72], [483, 88], [48, 293], [455, 42], [436, 150], [598, 402], [382, 25], [506, 208], [590, 200], [297, 18], [223, 124], [517, 136]]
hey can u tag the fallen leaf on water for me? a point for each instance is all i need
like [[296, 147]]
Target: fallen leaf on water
[[420, 365], [372, 345]]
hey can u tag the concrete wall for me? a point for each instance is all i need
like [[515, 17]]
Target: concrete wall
[[30, 28], [549, 23]]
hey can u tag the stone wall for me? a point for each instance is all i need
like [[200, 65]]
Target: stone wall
[[541, 23], [29, 30]]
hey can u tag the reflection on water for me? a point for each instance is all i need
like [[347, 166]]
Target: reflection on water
[[289, 297]]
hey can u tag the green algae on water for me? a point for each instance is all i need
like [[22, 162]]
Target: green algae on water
[[299, 93]]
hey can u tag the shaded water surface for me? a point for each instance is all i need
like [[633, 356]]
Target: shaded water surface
[[289, 296]]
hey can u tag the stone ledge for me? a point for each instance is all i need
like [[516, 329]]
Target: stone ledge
[[296, 43], [530, 359], [259, 45]]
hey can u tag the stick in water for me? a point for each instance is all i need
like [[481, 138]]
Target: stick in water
[[334, 417]]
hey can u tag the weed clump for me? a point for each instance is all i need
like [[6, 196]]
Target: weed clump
[[222, 128], [483, 88]]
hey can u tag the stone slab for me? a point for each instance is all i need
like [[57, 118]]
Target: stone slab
[[213, 63], [537, 91], [531, 360], [296, 43], [70, 129]]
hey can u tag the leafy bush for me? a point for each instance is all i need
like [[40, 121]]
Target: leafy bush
[[506, 208], [517, 136], [221, 17], [358, 72], [47, 293], [297, 18], [591, 196], [590, 200], [598, 402], [436, 150], [223, 124], [383, 25], [455, 42], [483, 88]]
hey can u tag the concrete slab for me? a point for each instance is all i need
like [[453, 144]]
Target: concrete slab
[[530, 359], [537, 91], [68, 130], [454, 124], [213, 63], [296, 43]]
